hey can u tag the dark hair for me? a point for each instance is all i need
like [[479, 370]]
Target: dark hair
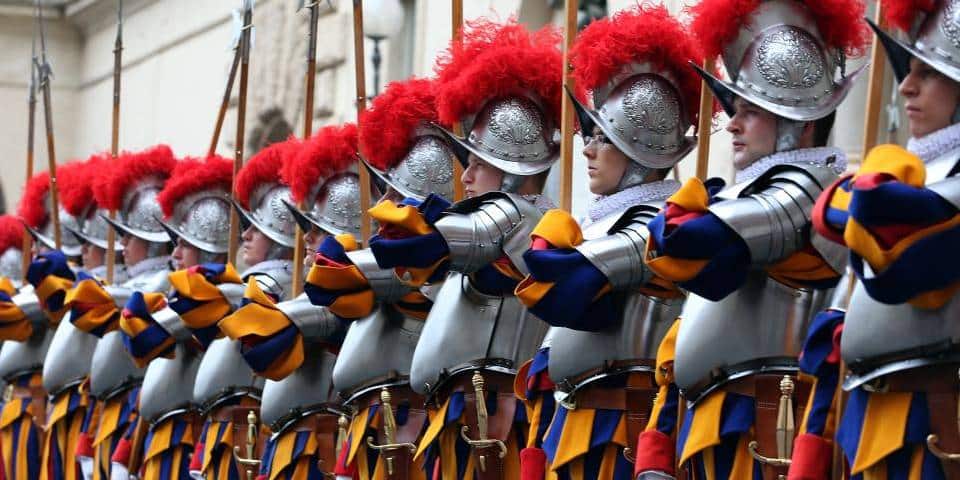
[[822, 129]]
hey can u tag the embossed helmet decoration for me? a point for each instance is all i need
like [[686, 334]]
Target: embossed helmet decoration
[[644, 93], [501, 82], [33, 208], [933, 31], [11, 254], [785, 56], [261, 193], [323, 177], [401, 143], [76, 195], [196, 203], [131, 186]]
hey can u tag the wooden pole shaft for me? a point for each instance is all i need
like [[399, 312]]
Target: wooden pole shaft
[[51, 162], [456, 25], [567, 113], [309, 89], [111, 255], [224, 103], [241, 129], [874, 89], [704, 125], [31, 127], [359, 60]]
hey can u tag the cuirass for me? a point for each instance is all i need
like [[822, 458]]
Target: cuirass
[[68, 358], [112, 368], [377, 348], [759, 327], [467, 328], [223, 372], [168, 383], [307, 386], [19, 358]]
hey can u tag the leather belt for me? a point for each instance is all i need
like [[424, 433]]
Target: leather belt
[[324, 426], [238, 415], [38, 401], [635, 400], [764, 388], [398, 460], [499, 425], [618, 367]]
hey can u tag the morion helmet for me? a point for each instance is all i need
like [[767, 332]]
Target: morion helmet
[[261, 193], [196, 203], [35, 203], [11, 253], [76, 194], [933, 35], [131, 187]]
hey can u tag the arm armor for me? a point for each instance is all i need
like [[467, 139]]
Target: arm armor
[[772, 214], [173, 324], [29, 304], [619, 254], [314, 322], [949, 189], [119, 294], [383, 281], [480, 230], [233, 293]]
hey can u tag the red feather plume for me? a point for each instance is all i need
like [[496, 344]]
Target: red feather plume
[[32, 208], [131, 167], [264, 168], [902, 13], [387, 127], [193, 175], [75, 182], [11, 233], [492, 60], [328, 152], [645, 34], [717, 22]]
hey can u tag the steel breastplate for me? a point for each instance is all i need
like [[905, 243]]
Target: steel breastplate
[[19, 358], [154, 281], [308, 386], [466, 329], [758, 328], [168, 383], [112, 369], [223, 373], [68, 358], [377, 348]]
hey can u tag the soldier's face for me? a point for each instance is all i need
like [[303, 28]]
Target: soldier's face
[[255, 246], [313, 238], [606, 164], [91, 255], [185, 255], [480, 177], [754, 133], [134, 249], [931, 99]]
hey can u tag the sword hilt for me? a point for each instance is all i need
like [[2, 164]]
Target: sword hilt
[[389, 432], [785, 428], [250, 461], [482, 422]]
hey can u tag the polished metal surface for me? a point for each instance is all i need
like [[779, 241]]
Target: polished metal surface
[[384, 282], [11, 264], [314, 322], [69, 356], [69, 244], [269, 214], [111, 367], [168, 383], [307, 386], [427, 168], [140, 212], [223, 371], [19, 358], [337, 206], [273, 276], [616, 248], [203, 220]]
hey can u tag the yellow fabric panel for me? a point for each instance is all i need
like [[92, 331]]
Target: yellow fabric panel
[[742, 460], [896, 161], [705, 430], [94, 297], [575, 437], [6, 286], [403, 216], [884, 424], [433, 429], [559, 229]]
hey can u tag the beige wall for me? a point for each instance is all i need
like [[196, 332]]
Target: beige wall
[[176, 59]]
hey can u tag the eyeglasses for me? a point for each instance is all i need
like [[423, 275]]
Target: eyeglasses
[[598, 138]]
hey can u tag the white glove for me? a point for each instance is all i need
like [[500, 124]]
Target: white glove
[[86, 467], [654, 475], [119, 472]]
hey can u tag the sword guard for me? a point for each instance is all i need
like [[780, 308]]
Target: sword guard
[[250, 461], [753, 446], [932, 445], [464, 433]]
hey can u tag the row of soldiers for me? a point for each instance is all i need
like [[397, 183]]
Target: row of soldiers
[[677, 331]]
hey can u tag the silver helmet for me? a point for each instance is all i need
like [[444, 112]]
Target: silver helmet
[[11, 264], [780, 62], [269, 214], [513, 134], [427, 168], [203, 220], [335, 208], [139, 212], [93, 230], [642, 113], [934, 38], [69, 244]]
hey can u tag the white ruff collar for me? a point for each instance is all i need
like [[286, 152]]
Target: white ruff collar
[[271, 265], [815, 156], [932, 146], [148, 265], [604, 205], [542, 202]]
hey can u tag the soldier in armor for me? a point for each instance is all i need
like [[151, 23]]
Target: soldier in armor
[[502, 83], [404, 148], [226, 389], [898, 215], [607, 311], [755, 273], [158, 327], [293, 343], [66, 368], [129, 187]]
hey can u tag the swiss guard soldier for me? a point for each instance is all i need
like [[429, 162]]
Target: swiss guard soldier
[[293, 343], [66, 368], [609, 313], [226, 388], [196, 204], [755, 273], [402, 146], [502, 83], [130, 187], [898, 215]]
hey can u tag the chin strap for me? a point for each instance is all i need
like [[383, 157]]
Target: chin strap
[[788, 134], [635, 174], [511, 183]]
